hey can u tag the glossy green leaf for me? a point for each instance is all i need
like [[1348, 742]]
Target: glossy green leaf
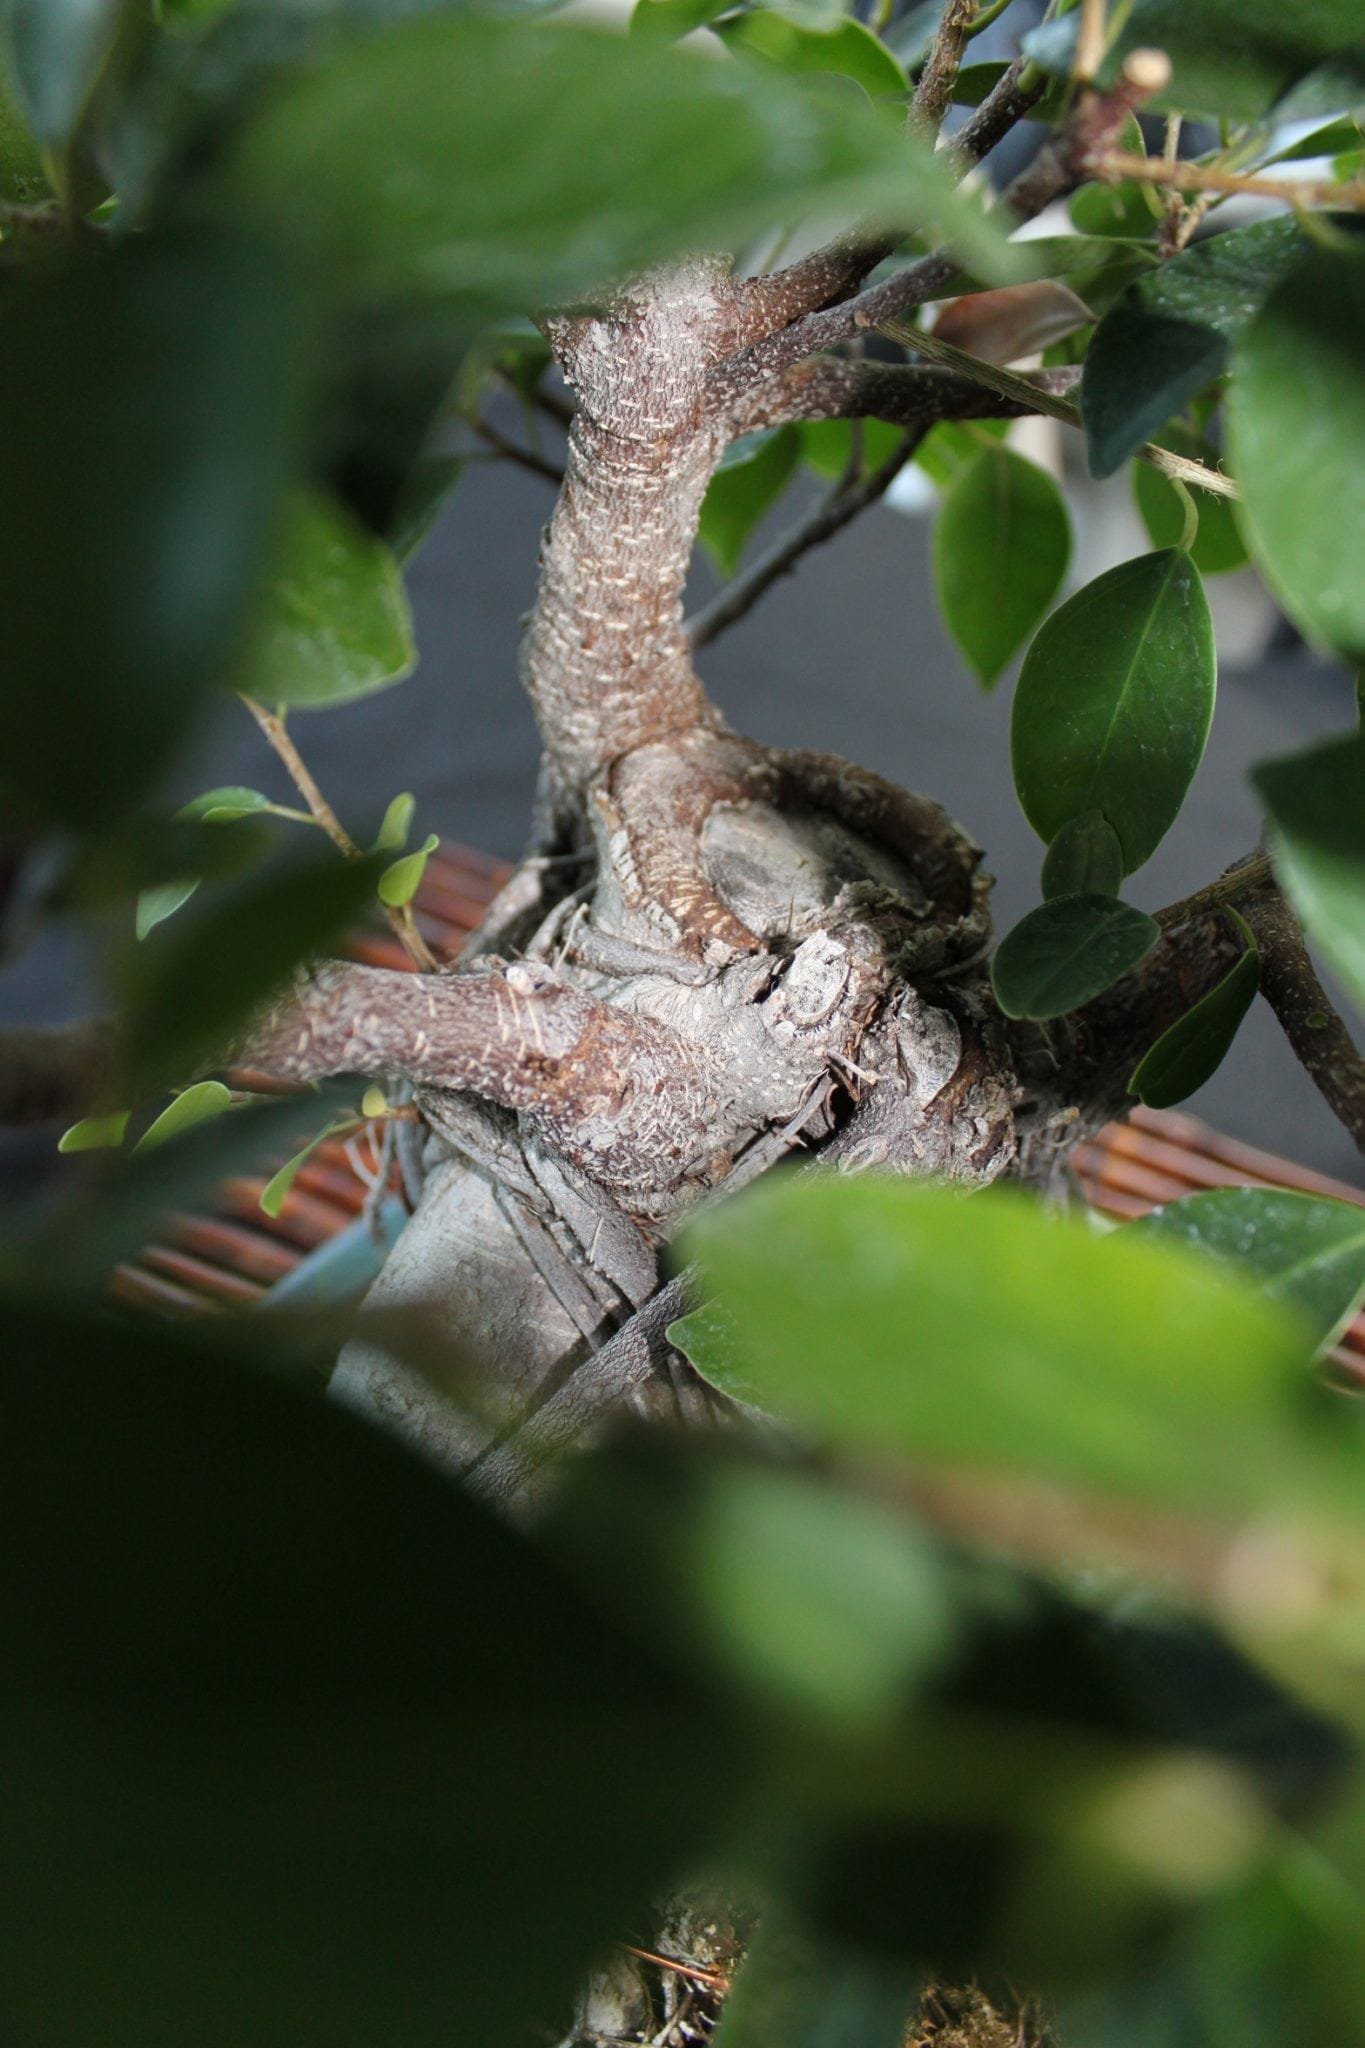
[[1067, 952], [126, 583], [1085, 859], [1301, 1249], [951, 445], [396, 824], [1235, 58], [95, 1133], [198, 978], [702, 154], [322, 1727], [745, 486], [337, 624], [193, 1105], [1115, 701], [155, 905], [1316, 802], [402, 879], [827, 445], [1001, 545], [1170, 334], [890, 1316], [848, 49], [1296, 428], [222, 806], [1218, 543], [1192, 1050]]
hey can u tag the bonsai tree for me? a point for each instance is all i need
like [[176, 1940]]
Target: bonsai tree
[[995, 1615]]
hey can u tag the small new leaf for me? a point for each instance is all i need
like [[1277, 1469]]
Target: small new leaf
[[1085, 859], [399, 883], [194, 1105], [397, 824], [95, 1133]]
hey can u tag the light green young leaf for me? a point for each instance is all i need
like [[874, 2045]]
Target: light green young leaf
[[1115, 701], [338, 625], [1303, 1250], [1296, 430], [1193, 1049], [275, 1193], [703, 155], [396, 825], [193, 1105], [1316, 801], [95, 1133], [154, 906], [750, 480], [1170, 334], [897, 1317], [219, 806], [1002, 541], [1085, 859], [846, 48], [1067, 952], [400, 881]]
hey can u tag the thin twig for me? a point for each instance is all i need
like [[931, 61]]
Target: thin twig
[[512, 451], [821, 523], [401, 921], [1181, 468], [697, 1971], [1090, 42], [1188, 177], [934, 92], [1235, 887]]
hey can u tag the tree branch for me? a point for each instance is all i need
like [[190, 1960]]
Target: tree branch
[[821, 523], [620, 1095], [831, 388], [934, 91], [1322, 1045]]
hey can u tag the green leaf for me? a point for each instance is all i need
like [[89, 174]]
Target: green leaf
[[1124, 211], [1067, 952], [194, 1105], [337, 625], [1115, 701], [276, 1190], [322, 1725], [23, 174], [848, 49], [1192, 1050], [666, 21], [747, 483], [197, 980], [827, 445], [1170, 334], [896, 1317], [703, 154], [814, 1606], [1218, 544], [154, 906], [126, 584], [94, 1133], [1301, 1249], [221, 806], [1085, 859], [60, 52], [400, 881], [1235, 58], [1001, 545], [1316, 801], [396, 825], [1296, 428]]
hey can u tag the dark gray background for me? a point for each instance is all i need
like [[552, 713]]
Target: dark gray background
[[848, 654]]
